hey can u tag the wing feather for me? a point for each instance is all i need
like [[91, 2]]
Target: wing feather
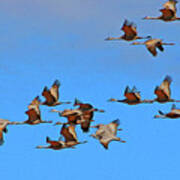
[[55, 90], [68, 133]]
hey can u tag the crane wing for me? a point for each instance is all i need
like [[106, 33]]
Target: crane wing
[[171, 4], [165, 86], [167, 13], [55, 90], [33, 115], [35, 102], [129, 29], [69, 133], [160, 94], [113, 126], [132, 96], [86, 120], [152, 49], [50, 99]]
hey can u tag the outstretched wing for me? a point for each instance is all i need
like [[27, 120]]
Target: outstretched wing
[[165, 86], [159, 46], [167, 13], [152, 49], [160, 94], [171, 4], [47, 94], [129, 29], [69, 133], [35, 102], [163, 92], [131, 95], [33, 115], [113, 126], [86, 120], [55, 90]]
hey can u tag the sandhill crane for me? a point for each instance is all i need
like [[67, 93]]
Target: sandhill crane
[[73, 116], [168, 12], [130, 32], [33, 113], [163, 91], [133, 97], [78, 116], [70, 139], [152, 45], [52, 95], [107, 133], [88, 113], [174, 113]]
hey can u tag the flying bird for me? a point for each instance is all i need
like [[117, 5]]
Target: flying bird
[[163, 92], [152, 45], [52, 95], [74, 116], [168, 12], [69, 134], [130, 32], [174, 113], [82, 115], [107, 133], [87, 114], [133, 97], [34, 114]]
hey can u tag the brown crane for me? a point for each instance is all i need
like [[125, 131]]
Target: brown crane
[[163, 92], [74, 116], [168, 12], [52, 95], [107, 133], [152, 45], [130, 32], [133, 97], [69, 134], [173, 114], [82, 116], [34, 114], [87, 114]]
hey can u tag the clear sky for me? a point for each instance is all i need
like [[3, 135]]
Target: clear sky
[[44, 40]]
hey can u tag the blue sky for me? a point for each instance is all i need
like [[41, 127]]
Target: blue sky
[[45, 40]]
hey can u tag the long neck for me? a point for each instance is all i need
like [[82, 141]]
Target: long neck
[[46, 121], [17, 123], [145, 37], [42, 147], [116, 100], [137, 43], [95, 109], [151, 18], [168, 44], [147, 101], [67, 102], [83, 142], [159, 116], [113, 38]]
